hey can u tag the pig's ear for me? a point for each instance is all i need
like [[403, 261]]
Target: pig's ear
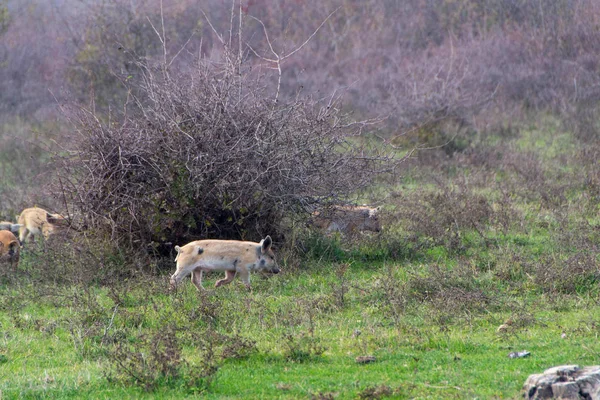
[[265, 244], [178, 250]]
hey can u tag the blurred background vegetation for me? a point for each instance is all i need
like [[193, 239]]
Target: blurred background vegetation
[[458, 79]]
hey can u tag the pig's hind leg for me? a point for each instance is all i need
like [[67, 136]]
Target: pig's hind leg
[[229, 275]]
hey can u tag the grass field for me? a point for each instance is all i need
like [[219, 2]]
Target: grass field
[[301, 333], [490, 241]]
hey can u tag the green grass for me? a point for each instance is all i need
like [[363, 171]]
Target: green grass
[[424, 354]]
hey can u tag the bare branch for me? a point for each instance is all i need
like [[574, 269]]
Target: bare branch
[[311, 36], [213, 28], [181, 49]]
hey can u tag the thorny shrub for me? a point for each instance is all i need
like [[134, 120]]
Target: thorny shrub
[[341, 288], [208, 153], [156, 360]]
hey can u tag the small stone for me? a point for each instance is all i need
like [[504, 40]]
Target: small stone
[[519, 354]]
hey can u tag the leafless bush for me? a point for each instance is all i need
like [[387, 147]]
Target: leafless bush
[[237, 347], [154, 357], [210, 154], [448, 293], [156, 360], [322, 396], [89, 323]]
